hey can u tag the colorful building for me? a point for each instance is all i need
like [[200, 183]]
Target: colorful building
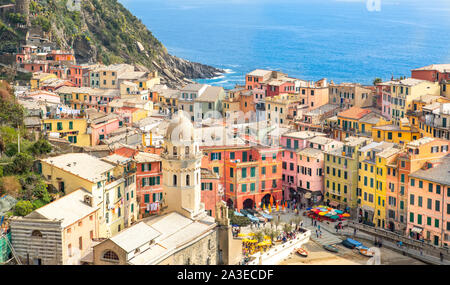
[[348, 95], [372, 173], [415, 156], [68, 172], [429, 202], [397, 101], [74, 129], [250, 175], [341, 174], [399, 134]]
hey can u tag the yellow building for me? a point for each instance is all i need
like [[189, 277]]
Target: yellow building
[[109, 75], [341, 173], [355, 122], [402, 93], [372, 183], [69, 172], [402, 134], [38, 78], [72, 129]]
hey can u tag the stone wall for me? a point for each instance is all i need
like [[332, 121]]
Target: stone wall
[[45, 244], [198, 253]]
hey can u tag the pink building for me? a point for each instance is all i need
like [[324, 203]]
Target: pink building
[[429, 203], [292, 143], [210, 182], [103, 126], [310, 175]]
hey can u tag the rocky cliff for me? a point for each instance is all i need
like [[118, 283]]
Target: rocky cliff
[[105, 31]]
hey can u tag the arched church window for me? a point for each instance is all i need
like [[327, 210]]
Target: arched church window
[[174, 180], [36, 233], [110, 255], [188, 180]]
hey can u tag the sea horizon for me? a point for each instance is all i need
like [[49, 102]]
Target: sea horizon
[[306, 39]]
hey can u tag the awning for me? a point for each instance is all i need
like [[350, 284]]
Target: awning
[[267, 216], [416, 230], [334, 204]]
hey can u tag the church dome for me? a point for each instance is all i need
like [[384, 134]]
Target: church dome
[[180, 129]]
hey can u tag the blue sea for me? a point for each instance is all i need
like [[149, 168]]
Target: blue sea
[[342, 40]]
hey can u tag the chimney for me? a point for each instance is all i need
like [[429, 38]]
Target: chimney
[[88, 200]]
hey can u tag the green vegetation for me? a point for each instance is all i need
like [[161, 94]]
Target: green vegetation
[[102, 25], [17, 176], [23, 208], [377, 81], [238, 220]]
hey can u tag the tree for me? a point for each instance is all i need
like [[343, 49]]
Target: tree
[[240, 221], [21, 163], [40, 147], [259, 236], [377, 81], [272, 234], [287, 228], [23, 208]]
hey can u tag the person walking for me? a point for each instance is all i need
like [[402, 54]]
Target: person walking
[[354, 232], [441, 256], [318, 227]]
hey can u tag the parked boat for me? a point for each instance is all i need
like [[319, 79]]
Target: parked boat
[[331, 248], [348, 244], [366, 252], [300, 251], [355, 243]]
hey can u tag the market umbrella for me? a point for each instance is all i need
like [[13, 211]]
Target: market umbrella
[[346, 215], [322, 206], [315, 211], [323, 210], [328, 215], [308, 209], [322, 214], [334, 217], [339, 211]]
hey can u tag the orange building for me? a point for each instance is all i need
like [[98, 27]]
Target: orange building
[[251, 175], [417, 154]]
